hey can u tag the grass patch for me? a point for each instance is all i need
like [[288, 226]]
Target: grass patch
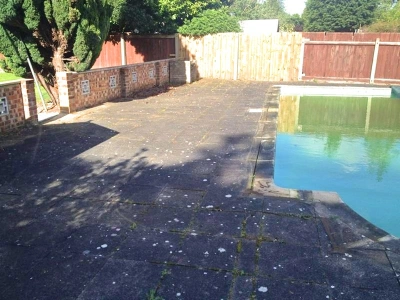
[[9, 76], [165, 273], [239, 246], [237, 272], [133, 226], [152, 295], [45, 95]]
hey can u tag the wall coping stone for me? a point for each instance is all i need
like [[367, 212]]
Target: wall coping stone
[[13, 82], [119, 67]]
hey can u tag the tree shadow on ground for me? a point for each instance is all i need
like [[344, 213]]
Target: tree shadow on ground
[[89, 211], [71, 190]]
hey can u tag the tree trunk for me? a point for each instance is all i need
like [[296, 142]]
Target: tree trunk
[[52, 90], [49, 80]]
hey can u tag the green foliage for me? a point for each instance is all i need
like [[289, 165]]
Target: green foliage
[[256, 10], [296, 21], [338, 15], [152, 295], [51, 33], [209, 22], [8, 76], [182, 10], [268, 9], [143, 17], [387, 20], [156, 16]]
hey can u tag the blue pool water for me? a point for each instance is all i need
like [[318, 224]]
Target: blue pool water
[[351, 146]]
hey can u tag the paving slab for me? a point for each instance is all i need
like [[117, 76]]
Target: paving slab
[[290, 230], [348, 293], [287, 261], [365, 269], [138, 194], [247, 256], [149, 245], [16, 262], [172, 197], [166, 218], [122, 215], [192, 283], [218, 223], [124, 279], [273, 289], [207, 252], [58, 275]]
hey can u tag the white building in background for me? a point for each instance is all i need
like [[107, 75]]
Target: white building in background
[[259, 26]]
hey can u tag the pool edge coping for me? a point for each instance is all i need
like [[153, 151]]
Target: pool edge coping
[[328, 205]]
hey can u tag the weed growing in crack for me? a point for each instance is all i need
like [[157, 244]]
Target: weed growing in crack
[[152, 295]]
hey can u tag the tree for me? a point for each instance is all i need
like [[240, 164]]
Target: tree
[[267, 9], [157, 16], [338, 15], [209, 22], [387, 18], [256, 10], [179, 11], [297, 22], [57, 35], [136, 16]]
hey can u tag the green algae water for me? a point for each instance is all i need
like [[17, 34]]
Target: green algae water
[[347, 145]]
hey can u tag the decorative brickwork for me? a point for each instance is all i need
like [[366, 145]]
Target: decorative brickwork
[[21, 104], [72, 92]]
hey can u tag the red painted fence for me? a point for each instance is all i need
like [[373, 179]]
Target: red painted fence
[[138, 49], [351, 61]]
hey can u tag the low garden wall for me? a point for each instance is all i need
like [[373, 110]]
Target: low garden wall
[[17, 104], [86, 89]]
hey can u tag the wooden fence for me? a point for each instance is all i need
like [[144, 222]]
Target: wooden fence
[[128, 49], [273, 57], [361, 57]]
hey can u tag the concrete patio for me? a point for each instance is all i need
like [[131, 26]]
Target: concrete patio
[[171, 197]]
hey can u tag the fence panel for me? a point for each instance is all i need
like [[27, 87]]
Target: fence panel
[[338, 61], [274, 57], [388, 58], [138, 49], [351, 62], [149, 48], [110, 55]]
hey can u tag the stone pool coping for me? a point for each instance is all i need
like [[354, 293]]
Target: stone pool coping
[[345, 228]]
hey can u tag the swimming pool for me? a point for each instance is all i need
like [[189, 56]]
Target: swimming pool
[[350, 145]]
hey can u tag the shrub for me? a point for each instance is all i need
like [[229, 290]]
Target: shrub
[[209, 22]]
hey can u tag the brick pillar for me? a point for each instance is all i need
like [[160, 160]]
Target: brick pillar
[[29, 100], [66, 91]]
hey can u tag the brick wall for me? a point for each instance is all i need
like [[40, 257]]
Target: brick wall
[[21, 104], [86, 89]]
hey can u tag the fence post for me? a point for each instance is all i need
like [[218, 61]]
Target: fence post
[[303, 44], [236, 59], [177, 46], [123, 50], [374, 61]]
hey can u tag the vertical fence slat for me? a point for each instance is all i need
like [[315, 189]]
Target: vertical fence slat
[[374, 61]]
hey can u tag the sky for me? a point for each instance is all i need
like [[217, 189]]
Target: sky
[[295, 6]]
